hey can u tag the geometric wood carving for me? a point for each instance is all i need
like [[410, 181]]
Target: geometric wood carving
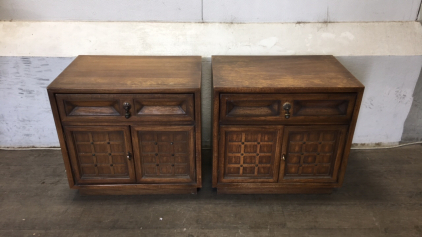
[[99, 153], [320, 107], [164, 155], [250, 154], [312, 152]]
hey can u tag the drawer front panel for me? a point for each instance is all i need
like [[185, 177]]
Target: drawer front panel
[[74, 107], [249, 153], [125, 107], [287, 108], [165, 107]]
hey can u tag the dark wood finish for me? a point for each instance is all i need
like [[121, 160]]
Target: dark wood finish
[[317, 108], [198, 139], [285, 73], [126, 107], [312, 153], [138, 189], [312, 100], [173, 107], [164, 154], [146, 74], [62, 141], [94, 107], [272, 190], [249, 154], [97, 101], [100, 154]]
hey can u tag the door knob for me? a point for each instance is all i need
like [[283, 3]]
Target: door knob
[[287, 106], [128, 155], [127, 106]]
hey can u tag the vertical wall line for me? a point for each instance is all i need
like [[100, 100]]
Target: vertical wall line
[[418, 16]]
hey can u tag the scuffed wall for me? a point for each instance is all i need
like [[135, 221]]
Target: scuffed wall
[[389, 84], [310, 11], [413, 125], [25, 115]]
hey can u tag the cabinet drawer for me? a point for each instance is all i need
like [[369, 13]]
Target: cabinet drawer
[[77, 107], [164, 107], [322, 108], [126, 107]]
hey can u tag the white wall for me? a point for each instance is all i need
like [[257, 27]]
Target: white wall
[[412, 130], [381, 55], [26, 119], [389, 84], [101, 10], [210, 10], [69, 39], [310, 10]]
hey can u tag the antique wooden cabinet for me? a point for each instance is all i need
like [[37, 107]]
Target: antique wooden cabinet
[[282, 124], [130, 124]]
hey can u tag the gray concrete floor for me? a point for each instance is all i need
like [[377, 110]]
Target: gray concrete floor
[[381, 196]]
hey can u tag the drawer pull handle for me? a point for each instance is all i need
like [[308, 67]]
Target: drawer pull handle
[[128, 155], [287, 106], [127, 106], [284, 158]]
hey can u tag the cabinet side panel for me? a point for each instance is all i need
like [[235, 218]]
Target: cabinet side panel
[[215, 137], [198, 138], [349, 139], [62, 141]]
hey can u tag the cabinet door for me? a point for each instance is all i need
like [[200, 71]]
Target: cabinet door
[[99, 154], [249, 154], [312, 153], [164, 154]]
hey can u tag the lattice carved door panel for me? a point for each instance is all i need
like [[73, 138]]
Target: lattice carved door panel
[[312, 154], [99, 154], [249, 154], [164, 154]]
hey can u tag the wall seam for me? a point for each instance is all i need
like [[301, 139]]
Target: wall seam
[[418, 16]]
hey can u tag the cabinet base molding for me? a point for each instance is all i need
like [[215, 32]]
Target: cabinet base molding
[[272, 190], [137, 189]]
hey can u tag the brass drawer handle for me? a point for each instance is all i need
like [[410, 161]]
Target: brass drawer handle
[[287, 106], [127, 106]]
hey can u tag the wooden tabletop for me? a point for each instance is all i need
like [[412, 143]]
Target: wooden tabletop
[[272, 72], [118, 73]]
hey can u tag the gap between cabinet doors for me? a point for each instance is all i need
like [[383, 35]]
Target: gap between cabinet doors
[[280, 153]]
